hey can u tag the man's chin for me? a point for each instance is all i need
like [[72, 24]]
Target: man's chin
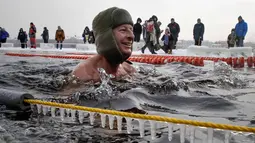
[[126, 55]]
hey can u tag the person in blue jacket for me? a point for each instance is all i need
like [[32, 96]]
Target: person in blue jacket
[[3, 36], [198, 32], [240, 30]]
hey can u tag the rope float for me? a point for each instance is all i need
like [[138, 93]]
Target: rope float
[[235, 62], [24, 101], [65, 109]]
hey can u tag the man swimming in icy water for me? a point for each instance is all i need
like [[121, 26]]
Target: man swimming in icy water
[[113, 30]]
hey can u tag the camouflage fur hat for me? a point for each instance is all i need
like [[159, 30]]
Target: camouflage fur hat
[[103, 25]]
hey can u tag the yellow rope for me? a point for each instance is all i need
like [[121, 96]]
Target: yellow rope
[[145, 117]]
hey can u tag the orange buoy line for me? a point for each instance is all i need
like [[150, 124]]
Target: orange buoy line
[[236, 62]]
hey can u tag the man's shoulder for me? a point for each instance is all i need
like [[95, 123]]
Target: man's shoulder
[[128, 67]]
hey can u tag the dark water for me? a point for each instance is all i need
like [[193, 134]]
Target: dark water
[[175, 90]]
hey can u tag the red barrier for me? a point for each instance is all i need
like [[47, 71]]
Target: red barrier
[[158, 59]]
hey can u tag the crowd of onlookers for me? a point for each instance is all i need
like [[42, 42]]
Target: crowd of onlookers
[[150, 31], [88, 36]]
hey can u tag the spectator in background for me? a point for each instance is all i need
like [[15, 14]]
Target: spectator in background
[[26, 39], [158, 34], [144, 30], [151, 39], [0, 36], [85, 34], [198, 32], [174, 30], [168, 40], [22, 37], [137, 29], [91, 38], [240, 31], [45, 35], [231, 38], [3, 36], [60, 37], [32, 35]]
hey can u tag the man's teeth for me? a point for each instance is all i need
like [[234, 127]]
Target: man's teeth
[[128, 44]]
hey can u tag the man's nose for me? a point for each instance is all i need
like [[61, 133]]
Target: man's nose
[[130, 35]]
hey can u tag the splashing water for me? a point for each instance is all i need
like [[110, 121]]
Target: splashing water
[[104, 89]]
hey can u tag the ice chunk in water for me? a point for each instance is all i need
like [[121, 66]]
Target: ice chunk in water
[[39, 108], [73, 113], [111, 120], [227, 136], [170, 131], [182, 133], [210, 135], [62, 113], [119, 123], [103, 120], [81, 116], [53, 111], [91, 118], [68, 112], [141, 127], [153, 130], [45, 109], [129, 125], [192, 134]]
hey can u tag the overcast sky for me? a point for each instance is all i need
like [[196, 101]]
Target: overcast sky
[[219, 16]]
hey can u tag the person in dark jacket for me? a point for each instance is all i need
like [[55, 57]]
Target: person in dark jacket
[[0, 36], [3, 36], [168, 40], [175, 30], [32, 35], [91, 38], [144, 30], [45, 35], [22, 37], [26, 39], [198, 32], [85, 34], [156, 26], [231, 38], [240, 30], [137, 29]]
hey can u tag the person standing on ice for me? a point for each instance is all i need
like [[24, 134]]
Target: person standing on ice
[[175, 30], [26, 39], [60, 37], [151, 39], [113, 30], [240, 30], [231, 38], [32, 35], [85, 34], [91, 38], [144, 30], [3, 36], [45, 35], [138, 30], [198, 32], [22, 37], [168, 40]]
